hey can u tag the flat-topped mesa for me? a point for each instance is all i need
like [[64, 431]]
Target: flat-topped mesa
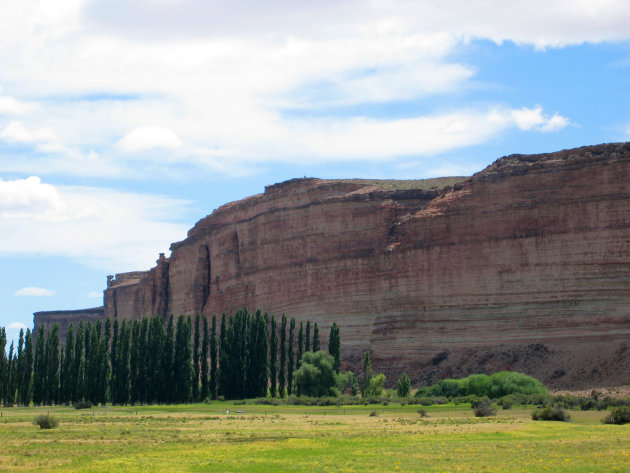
[[523, 266]]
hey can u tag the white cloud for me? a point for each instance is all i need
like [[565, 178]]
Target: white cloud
[[149, 137], [16, 132], [17, 326], [35, 291], [10, 106], [535, 119], [109, 229]]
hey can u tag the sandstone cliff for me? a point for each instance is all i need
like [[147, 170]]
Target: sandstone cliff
[[524, 266]]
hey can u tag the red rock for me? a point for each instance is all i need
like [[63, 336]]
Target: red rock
[[524, 266]]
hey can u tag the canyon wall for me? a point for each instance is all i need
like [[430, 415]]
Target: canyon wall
[[523, 266]]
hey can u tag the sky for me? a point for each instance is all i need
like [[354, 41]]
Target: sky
[[122, 123]]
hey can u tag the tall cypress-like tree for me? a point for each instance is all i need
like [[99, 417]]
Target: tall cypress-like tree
[[196, 360], [182, 364], [87, 364], [112, 361], [79, 364], [156, 340], [316, 342], [168, 388], [27, 369], [214, 359], [52, 349], [273, 358], [104, 367], [122, 365], [143, 361], [307, 336], [300, 349], [290, 360], [367, 373], [258, 359], [9, 384], [222, 348], [334, 346], [283, 356], [67, 372], [204, 366], [39, 370], [134, 363], [4, 363]]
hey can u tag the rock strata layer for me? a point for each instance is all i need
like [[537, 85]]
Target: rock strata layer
[[523, 266]]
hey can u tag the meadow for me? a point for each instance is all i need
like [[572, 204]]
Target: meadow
[[205, 438]]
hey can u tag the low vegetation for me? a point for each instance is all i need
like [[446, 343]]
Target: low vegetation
[[294, 438], [46, 421], [551, 413], [619, 415]]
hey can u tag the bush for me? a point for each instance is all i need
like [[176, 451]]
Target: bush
[[423, 413], [46, 421], [484, 408], [619, 416], [403, 386], [551, 413], [373, 414], [82, 405]]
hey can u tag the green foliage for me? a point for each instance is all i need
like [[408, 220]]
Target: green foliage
[[551, 413], [334, 346], [483, 408], [495, 386], [316, 342], [403, 386], [367, 374], [46, 421], [375, 385], [283, 356], [273, 358], [316, 375], [290, 358], [619, 415]]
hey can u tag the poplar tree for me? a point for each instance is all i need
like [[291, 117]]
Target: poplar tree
[[205, 344], [27, 369], [4, 363], [182, 361], [156, 340], [214, 360], [67, 372], [367, 373], [334, 346], [316, 342], [79, 364], [104, 367], [39, 371], [273, 358], [290, 360], [195, 355], [167, 363], [222, 348], [52, 353], [134, 361], [112, 360], [307, 336], [300, 350], [122, 365], [283, 355], [8, 386], [87, 357]]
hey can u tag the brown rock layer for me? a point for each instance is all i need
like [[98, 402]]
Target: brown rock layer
[[524, 266]]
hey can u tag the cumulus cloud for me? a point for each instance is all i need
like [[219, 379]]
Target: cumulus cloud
[[109, 229], [35, 291], [17, 326], [16, 132], [149, 137], [243, 79], [535, 119]]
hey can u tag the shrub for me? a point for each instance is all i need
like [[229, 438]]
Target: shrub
[[423, 413], [403, 386], [551, 413], [82, 405], [373, 414], [46, 421], [619, 415], [484, 408]]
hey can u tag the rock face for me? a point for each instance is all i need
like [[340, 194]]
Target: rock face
[[523, 266], [64, 318]]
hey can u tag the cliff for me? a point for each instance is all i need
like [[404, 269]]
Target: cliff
[[523, 266]]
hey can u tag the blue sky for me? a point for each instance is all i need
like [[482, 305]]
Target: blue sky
[[123, 123]]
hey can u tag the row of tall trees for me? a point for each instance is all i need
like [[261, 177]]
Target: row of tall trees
[[157, 361]]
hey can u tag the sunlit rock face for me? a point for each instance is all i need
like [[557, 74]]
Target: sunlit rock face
[[523, 266]]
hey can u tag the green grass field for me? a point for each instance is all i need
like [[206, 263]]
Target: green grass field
[[203, 438]]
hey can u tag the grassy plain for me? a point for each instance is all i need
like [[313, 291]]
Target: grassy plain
[[204, 438]]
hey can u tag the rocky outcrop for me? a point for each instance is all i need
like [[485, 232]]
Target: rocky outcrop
[[524, 266], [64, 318]]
